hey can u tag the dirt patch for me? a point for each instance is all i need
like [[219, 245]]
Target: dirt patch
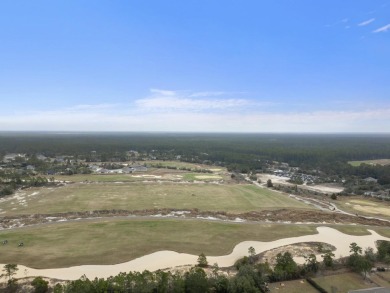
[[275, 179], [324, 188]]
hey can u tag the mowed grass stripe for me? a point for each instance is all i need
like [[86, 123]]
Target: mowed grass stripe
[[138, 196], [116, 241]]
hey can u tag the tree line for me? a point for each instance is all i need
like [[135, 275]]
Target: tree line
[[251, 275]]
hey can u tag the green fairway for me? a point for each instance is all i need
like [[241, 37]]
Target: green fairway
[[110, 241], [139, 196], [116, 241], [97, 178]]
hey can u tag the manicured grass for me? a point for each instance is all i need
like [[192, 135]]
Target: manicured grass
[[139, 196], [115, 241], [296, 286], [353, 230], [97, 178], [362, 230], [383, 231], [343, 282]]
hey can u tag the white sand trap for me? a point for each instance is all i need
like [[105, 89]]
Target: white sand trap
[[146, 176], [166, 259], [208, 177]]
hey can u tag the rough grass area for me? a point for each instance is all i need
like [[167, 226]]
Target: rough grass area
[[139, 196], [116, 241], [382, 162], [380, 279], [362, 230], [343, 282], [296, 286], [365, 206], [201, 177]]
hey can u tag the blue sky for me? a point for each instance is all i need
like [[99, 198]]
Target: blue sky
[[174, 65]]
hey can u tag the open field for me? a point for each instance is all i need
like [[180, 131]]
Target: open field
[[116, 241], [381, 279], [97, 178], [364, 206], [296, 286], [139, 196], [343, 282], [382, 162], [203, 177], [178, 164], [322, 188]]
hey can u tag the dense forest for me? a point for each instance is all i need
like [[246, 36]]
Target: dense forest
[[328, 153]]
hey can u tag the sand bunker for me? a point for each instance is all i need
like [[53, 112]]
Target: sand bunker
[[208, 177], [146, 176], [166, 259]]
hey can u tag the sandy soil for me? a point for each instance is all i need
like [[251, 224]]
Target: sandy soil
[[297, 250], [165, 259], [323, 188], [207, 177], [275, 179]]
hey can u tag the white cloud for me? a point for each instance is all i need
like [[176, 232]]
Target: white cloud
[[181, 120], [366, 22], [382, 29], [163, 92], [166, 100], [172, 103], [183, 111]]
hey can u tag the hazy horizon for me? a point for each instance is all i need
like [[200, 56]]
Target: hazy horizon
[[195, 66]]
